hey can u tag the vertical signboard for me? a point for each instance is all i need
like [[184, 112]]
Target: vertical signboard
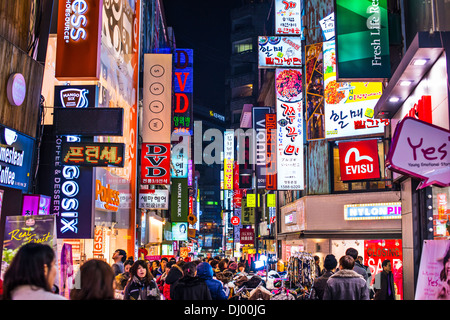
[[259, 144], [155, 163], [288, 17], [179, 200], [228, 159], [271, 154], [183, 91], [157, 98], [288, 84], [349, 106], [78, 40], [315, 112], [362, 40]]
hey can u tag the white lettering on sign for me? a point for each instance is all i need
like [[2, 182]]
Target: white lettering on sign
[[75, 20], [69, 190]]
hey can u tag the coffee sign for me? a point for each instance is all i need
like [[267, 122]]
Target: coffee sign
[[420, 149]]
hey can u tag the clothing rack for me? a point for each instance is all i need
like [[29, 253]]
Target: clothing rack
[[301, 271]]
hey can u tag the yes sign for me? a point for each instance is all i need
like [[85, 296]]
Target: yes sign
[[359, 160], [421, 150]]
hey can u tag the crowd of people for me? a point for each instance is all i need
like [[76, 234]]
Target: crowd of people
[[32, 274]]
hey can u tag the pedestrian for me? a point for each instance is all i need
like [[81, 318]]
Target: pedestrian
[[216, 288], [346, 284], [122, 279], [318, 270], [119, 258], [387, 290], [175, 273], [142, 285], [223, 264], [329, 264], [96, 281], [233, 267], [215, 265], [156, 271], [241, 269], [352, 252], [190, 286], [31, 274]]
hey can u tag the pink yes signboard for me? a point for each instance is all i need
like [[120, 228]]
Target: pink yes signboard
[[421, 150]]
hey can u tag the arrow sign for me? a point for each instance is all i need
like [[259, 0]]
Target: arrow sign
[[421, 150]]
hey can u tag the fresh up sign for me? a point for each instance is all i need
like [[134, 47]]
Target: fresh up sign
[[15, 159]]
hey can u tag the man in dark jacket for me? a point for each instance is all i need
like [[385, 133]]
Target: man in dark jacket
[[346, 284], [387, 290], [191, 287], [205, 272], [359, 268], [320, 283]]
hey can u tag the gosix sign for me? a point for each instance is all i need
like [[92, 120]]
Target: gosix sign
[[421, 150], [359, 160], [78, 40], [155, 163]]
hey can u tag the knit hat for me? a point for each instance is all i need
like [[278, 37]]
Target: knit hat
[[233, 266], [330, 262]]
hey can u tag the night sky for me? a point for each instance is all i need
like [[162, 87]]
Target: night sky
[[204, 26]]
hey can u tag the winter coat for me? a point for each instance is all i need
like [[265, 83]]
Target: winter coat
[[27, 292], [138, 289], [175, 273], [359, 268], [205, 272], [382, 294], [191, 288], [346, 285], [320, 284]]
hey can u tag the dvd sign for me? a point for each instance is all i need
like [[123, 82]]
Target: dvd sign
[[359, 160], [155, 163]]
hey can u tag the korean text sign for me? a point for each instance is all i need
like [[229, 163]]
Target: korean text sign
[[279, 52], [289, 129], [155, 163], [288, 17], [183, 91], [349, 106], [154, 199]]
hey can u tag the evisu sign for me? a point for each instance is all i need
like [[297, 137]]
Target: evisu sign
[[359, 160], [78, 40]]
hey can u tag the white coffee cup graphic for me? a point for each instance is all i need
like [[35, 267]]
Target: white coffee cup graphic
[[10, 136]]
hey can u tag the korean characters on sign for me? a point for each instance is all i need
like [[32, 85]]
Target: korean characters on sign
[[288, 17], [155, 163], [228, 159], [279, 52], [183, 81], [289, 129]]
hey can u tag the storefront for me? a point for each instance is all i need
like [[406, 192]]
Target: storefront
[[418, 89], [369, 222]]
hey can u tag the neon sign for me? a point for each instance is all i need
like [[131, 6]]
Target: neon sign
[[373, 211]]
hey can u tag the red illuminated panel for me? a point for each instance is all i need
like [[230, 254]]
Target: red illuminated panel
[[359, 160], [155, 163]]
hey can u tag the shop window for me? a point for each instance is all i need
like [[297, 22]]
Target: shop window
[[384, 183], [242, 46], [242, 91]]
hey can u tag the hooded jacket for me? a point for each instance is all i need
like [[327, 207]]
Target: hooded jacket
[[191, 288], [175, 273], [138, 289], [346, 285], [205, 272]]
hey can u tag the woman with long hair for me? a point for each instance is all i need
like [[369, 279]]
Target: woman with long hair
[[96, 281], [31, 274], [142, 285]]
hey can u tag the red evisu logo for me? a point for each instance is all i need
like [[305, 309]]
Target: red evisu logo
[[359, 160]]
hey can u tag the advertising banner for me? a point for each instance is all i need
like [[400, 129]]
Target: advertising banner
[[279, 52], [93, 154], [179, 160], [247, 213], [288, 17], [315, 110], [16, 156], [153, 199], [362, 39], [376, 251], [67, 272], [288, 84], [228, 153], [183, 81], [359, 160], [433, 279], [420, 149], [76, 96], [155, 163], [78, 40], [20, 230], [259, 144], [179, 231], [35, 205], [157, 98], [179, 200], [247, 236], [271, 151], [349, 106]]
